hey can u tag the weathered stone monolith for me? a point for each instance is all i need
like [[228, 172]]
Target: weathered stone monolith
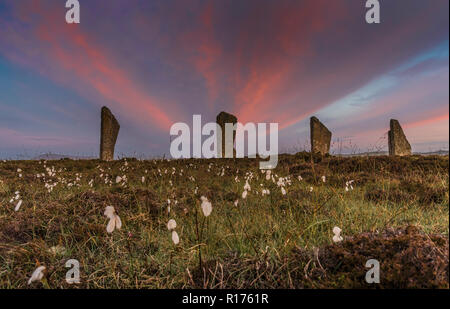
[[221, 120], [320, 137], [109, 131], [398, 144]]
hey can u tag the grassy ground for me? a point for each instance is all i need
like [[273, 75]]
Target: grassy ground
[[397, 213]]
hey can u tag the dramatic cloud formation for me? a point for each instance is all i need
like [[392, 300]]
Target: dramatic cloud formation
[[159, 62]]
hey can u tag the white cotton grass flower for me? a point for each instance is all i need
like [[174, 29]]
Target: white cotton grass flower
[[236, 203], [349, 185], [281, 182], [324, 178], [109, 212], [244, 194], [175, 238], [337, 235], [268, 173], [19, 203], [265, 192], [118, 179], [37, 275], [114, 219], [171, 225], [283, 191], [247, 186], [311, 189], [15, 198], [143, 179], [300, 178], [206, 206]]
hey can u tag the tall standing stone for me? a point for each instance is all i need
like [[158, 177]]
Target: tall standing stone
[[109, 131], [398, 144], [320, 137], [221, 120]]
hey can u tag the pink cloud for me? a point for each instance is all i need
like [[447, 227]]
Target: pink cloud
[[68, 55]]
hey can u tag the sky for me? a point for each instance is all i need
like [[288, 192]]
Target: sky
[[155, 63]]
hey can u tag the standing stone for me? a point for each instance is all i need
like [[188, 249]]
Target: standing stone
[[109, 130], [320, 137], [398, 144], [221, 120]]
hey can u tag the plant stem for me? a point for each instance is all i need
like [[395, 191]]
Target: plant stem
[[198, 241]]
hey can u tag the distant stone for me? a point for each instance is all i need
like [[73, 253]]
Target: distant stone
[[109, 131], [221, 120], [320, 137], [398, 144]]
